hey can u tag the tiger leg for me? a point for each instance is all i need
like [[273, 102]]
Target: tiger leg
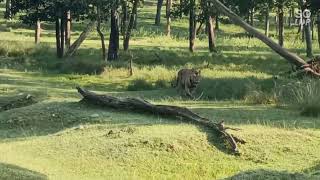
[[187, 90]]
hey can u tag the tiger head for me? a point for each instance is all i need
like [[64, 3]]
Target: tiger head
[[195, 77]]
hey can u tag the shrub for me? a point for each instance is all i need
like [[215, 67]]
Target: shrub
[[232, 88], [140, 85], [82, 66], [255, 95], [303, 95], [161, 83]]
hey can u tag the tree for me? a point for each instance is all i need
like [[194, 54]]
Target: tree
[[307, 29], [168, 17], [114, 34], [127, 37], [56, 11], [99, 21], [38, 32], [192, 25], [158, 14], [8, 13], [291, 57]]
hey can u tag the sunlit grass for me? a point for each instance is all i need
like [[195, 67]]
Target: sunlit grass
[[60, 138]]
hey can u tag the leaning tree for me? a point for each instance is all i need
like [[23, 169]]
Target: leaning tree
[[289, 56]]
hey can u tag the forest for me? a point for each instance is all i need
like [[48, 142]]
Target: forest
[[159, 89]]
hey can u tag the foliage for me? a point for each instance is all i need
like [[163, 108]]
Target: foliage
[[303, 95]]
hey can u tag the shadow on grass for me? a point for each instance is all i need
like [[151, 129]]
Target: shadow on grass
[[12, 172], [262, 174]]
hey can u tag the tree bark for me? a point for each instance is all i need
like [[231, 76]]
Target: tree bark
[[8, 13], [74, 47], [38, 32], [267, 22], [124, 21], [103, 45], [291, 57], [211, 33], [181, 4], [139, 105], [281, 25], [68, 29], [158, 15], [318, 26], [307, 31], [58, 37], [114, 36], [192, 25], [217, 27], [62, 33], [252, 17], [168, 16], [131, 24]]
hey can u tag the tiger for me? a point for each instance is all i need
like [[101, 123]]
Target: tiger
[[187, 81]]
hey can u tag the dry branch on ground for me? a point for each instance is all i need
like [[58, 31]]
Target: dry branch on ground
[[142, 106]]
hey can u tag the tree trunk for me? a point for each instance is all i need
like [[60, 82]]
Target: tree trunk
[[38, 32], [135, 24], [276, 20], [103, 45], [131, 24], [211, 33], [8, 14], [318, 26], [114, 36], [312, 28], [291, 57], [58, 38], [168, 16], [124, 21], [192, 26], [62, 33], [267, 22], [158, 15], [252, 17], [281, 25], [217, 27], [68, 29], [307, 30], [181, 8], [143, 106], [74, 47]]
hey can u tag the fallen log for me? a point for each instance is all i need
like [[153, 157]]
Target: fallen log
[[140, 105]]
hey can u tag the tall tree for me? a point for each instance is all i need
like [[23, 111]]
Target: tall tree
[[99, 22], [127, 37], [37, 32], [307, 28], [291, 57], [280, 22], [8, 12], [168, 17], [158, 14], [192, 25], [114, 34]]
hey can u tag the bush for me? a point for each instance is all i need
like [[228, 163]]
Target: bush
[[303, 95], [255, 95], [140, 85], [232, 88], [161, 83], [82, 66]]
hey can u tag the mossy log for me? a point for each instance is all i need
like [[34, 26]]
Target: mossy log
[[142, 106]]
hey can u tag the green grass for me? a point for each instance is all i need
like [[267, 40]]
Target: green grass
[[60, 138]]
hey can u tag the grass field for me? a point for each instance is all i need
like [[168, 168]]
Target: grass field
[[60, 138]]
